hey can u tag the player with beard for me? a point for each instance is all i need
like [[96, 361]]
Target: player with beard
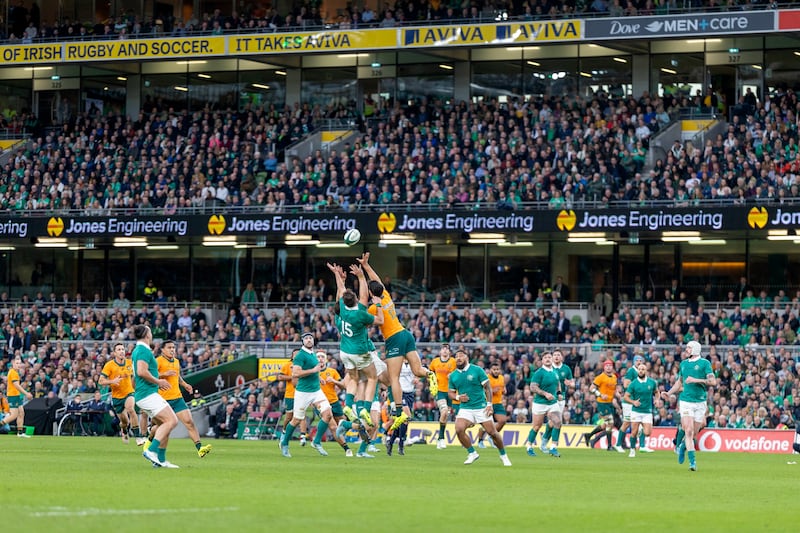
[[469, 384]]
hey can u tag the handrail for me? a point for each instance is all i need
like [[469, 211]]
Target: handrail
[[11, 133], [701, 134]]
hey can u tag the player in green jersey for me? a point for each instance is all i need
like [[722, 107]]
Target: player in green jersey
[[355, 347], [696, 375], [305, 369], [565, 380], [639, 395], [147, 385], [627, 410], [469, 385], [545, 386]]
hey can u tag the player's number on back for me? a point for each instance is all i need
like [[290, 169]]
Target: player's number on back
[[347, 329]]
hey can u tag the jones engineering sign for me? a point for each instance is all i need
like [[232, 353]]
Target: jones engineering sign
[[456, 222]]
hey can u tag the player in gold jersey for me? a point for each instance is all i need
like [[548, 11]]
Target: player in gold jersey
[[16, 396], [400, 344], [285, 375], [604, 387], [443, 366], [169, 368], [117, 374], [329, 381], [498, 384]]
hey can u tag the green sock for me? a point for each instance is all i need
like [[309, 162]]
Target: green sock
[[154, 445], [642, 440], [287, 435], [349, 399], [547, 432], [346, 424], [198, 445], [680, 436], [554, 436], [531, 436], [162, 454], [471, 449], [322, 427], [398, 410], [620, 437], [503, 451], [691, 456], [362, 448], [441, 430]]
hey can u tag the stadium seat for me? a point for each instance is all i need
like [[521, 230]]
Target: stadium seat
[[269, 424]]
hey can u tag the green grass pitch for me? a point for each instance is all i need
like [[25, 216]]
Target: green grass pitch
[[99, 484]]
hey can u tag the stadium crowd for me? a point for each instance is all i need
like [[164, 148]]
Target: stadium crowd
[[549, 152], [26, 24], [65, 345]]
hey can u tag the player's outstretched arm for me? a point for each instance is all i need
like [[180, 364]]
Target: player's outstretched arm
[[363, 290], [338, 276], [368, 270]]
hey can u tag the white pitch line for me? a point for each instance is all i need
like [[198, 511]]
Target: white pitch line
[[91, 511]]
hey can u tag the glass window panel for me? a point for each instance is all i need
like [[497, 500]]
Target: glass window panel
[[416, 83], [679, 75], [612, 75], [15, 97], [120, 268], [774, 265], [470, 269], [721, 266], [550, 77], [330, 87], [104, 92], [781, 67], [214, 273], [507, 269], [167, 269], [35, 270], [262, 89], [214, 90], [500, 80], [170, 90]]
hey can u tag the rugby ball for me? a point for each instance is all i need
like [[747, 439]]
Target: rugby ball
[[352, 237]]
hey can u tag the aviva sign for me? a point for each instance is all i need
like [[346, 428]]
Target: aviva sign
[[488, 34], [555, 30]]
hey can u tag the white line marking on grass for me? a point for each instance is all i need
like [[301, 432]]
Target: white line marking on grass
[[92, 511]]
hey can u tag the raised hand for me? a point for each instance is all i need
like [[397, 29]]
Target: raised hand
[[364, 259], [357, 271]]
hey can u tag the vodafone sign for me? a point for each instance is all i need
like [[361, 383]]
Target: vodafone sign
[[729, 440]]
